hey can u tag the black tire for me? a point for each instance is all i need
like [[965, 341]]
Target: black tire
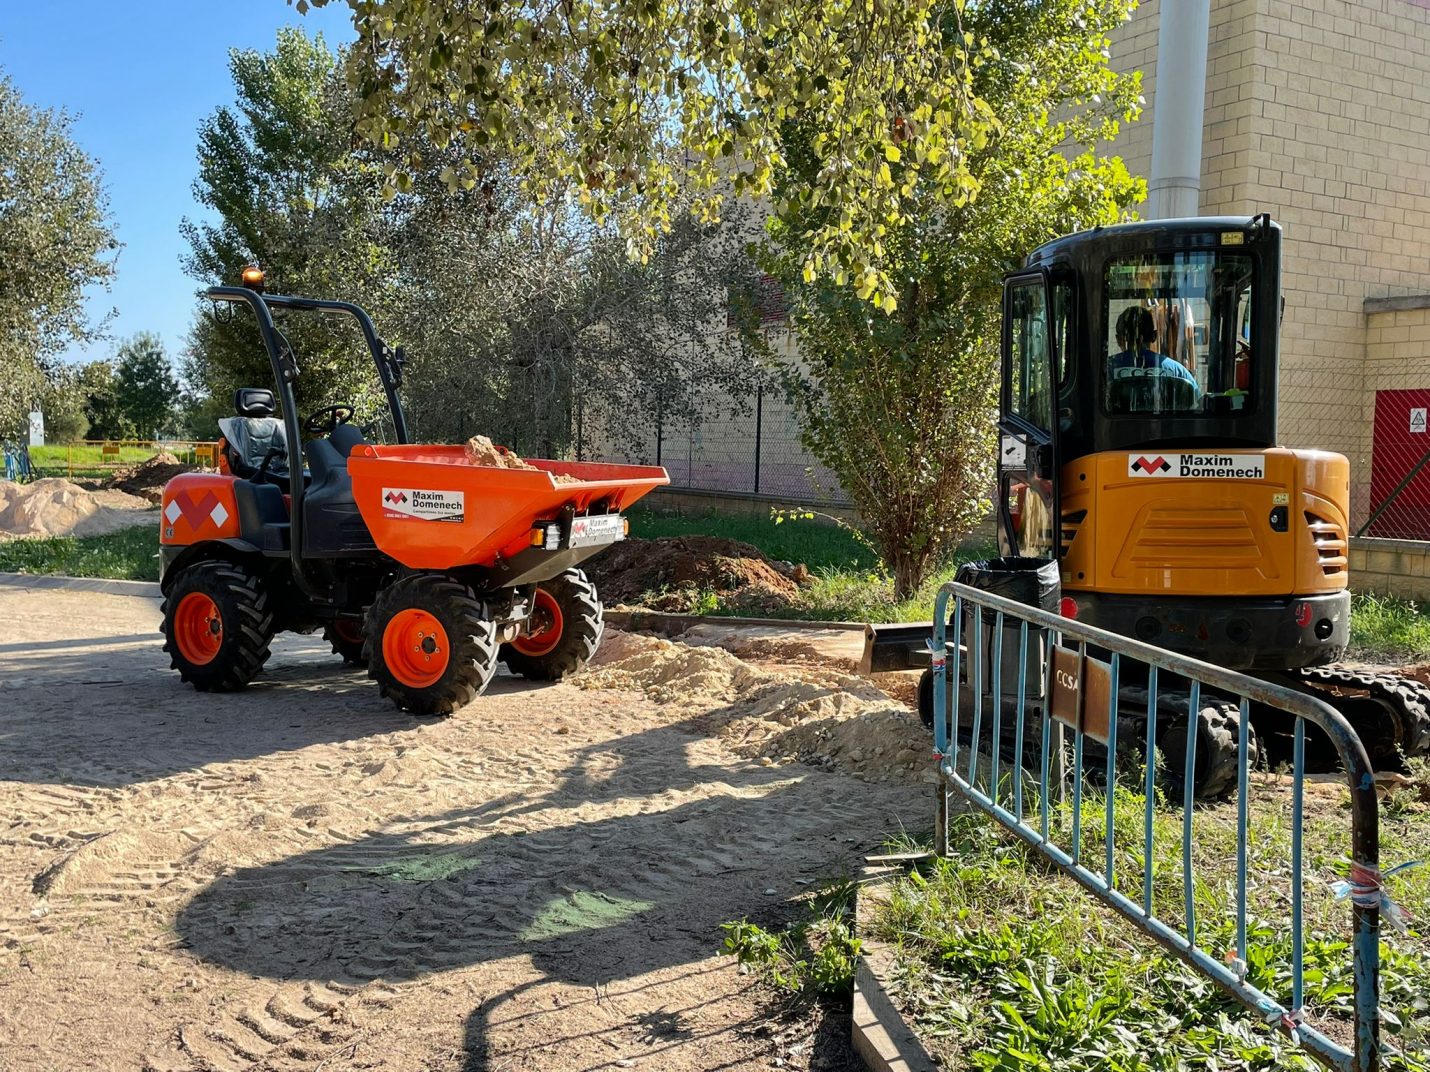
[[352, 649], [244, 624], [582, 623], [470, 663]]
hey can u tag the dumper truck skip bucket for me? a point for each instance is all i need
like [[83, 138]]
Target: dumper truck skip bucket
[[485, 512]]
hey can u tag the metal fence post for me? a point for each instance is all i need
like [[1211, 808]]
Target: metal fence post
[[759, 420]]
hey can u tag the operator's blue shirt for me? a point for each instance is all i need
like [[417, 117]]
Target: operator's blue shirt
[[1149, 360]]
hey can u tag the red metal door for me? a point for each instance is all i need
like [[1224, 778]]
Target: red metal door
[[1400, 441]]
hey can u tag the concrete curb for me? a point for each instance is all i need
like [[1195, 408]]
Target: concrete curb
[[143, 589], [881, 1035]]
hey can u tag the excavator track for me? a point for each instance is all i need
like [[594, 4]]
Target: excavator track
[[1407, 730], [1218, 727]]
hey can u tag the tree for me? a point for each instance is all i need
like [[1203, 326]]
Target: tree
[[279, 171], [632, 104], [901, 407], [145, 385], [99, 384], [525, 321], [65, 419], [540, 331], [55, 241]]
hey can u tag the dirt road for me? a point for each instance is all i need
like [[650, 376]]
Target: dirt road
[[299, 877]]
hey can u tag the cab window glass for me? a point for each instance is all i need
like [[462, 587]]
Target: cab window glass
[[1178, 333], [1030, 374]]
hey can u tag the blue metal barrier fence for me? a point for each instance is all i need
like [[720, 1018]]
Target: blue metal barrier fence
[[1053, 682]]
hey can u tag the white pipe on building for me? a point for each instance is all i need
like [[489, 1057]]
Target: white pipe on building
[[1175, 185]]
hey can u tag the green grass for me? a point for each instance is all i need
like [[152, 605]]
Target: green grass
[[818, 544], [1385, 628], [129, 554], [1005, 964], [85, 461]]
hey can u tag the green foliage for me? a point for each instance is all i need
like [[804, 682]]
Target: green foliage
[[1008, 966], [130, 554], [64, 406], [278, 173], [100, 385], [815, 956], [55, 241], [628, 106], [144, 386], [901, 407], [523, 322]]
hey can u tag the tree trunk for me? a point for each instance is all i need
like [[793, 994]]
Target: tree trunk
[[909, 570]]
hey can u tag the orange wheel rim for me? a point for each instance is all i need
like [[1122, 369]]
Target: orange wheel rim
[[348, 630], [546, 625], [415, 649], [198, 629]]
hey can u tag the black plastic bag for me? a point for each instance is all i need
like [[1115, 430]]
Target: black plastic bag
[[1031, 581]]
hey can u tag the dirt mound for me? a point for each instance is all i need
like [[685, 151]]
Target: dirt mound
[[147, 479], [482, 451], [55, 507], [817, 716], [669, 572]]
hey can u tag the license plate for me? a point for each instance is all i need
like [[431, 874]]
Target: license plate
[[607, 528]]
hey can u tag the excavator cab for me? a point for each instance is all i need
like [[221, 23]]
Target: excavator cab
[[1138, 445]]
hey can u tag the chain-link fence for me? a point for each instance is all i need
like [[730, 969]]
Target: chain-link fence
[[755, 451]]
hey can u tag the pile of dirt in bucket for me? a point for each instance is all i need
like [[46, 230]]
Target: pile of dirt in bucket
[[147, 479], [56, 507], [671, 572], [817, 716], [482, 451]]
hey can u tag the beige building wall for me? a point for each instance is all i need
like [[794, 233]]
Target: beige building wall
[[1318, 111]]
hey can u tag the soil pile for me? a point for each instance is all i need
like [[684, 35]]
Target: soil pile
[[816, 716], [668, 573], [482, 451], [147, 479], [56, 507]]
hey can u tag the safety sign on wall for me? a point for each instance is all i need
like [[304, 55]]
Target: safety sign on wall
[[1417, 420]]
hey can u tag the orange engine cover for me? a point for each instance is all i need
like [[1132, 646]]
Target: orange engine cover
[[198, 507], [1211, 523]]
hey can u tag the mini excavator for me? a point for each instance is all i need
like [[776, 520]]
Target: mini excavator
[[1138, 449]]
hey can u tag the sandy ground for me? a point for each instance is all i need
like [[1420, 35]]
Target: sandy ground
[[300, 877]]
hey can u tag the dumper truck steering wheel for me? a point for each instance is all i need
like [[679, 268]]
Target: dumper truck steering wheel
[[322, 422]]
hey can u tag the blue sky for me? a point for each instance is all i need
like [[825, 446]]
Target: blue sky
[[139, 78]]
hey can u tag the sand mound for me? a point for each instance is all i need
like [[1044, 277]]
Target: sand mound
[[816, 716], [669, 572], [482, 451], [55, 507], [147, 479]]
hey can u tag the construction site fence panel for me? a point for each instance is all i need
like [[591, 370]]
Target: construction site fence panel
[[1026, 703], [92, 458]]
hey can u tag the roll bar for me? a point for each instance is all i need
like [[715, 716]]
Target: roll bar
[[285, 372]]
